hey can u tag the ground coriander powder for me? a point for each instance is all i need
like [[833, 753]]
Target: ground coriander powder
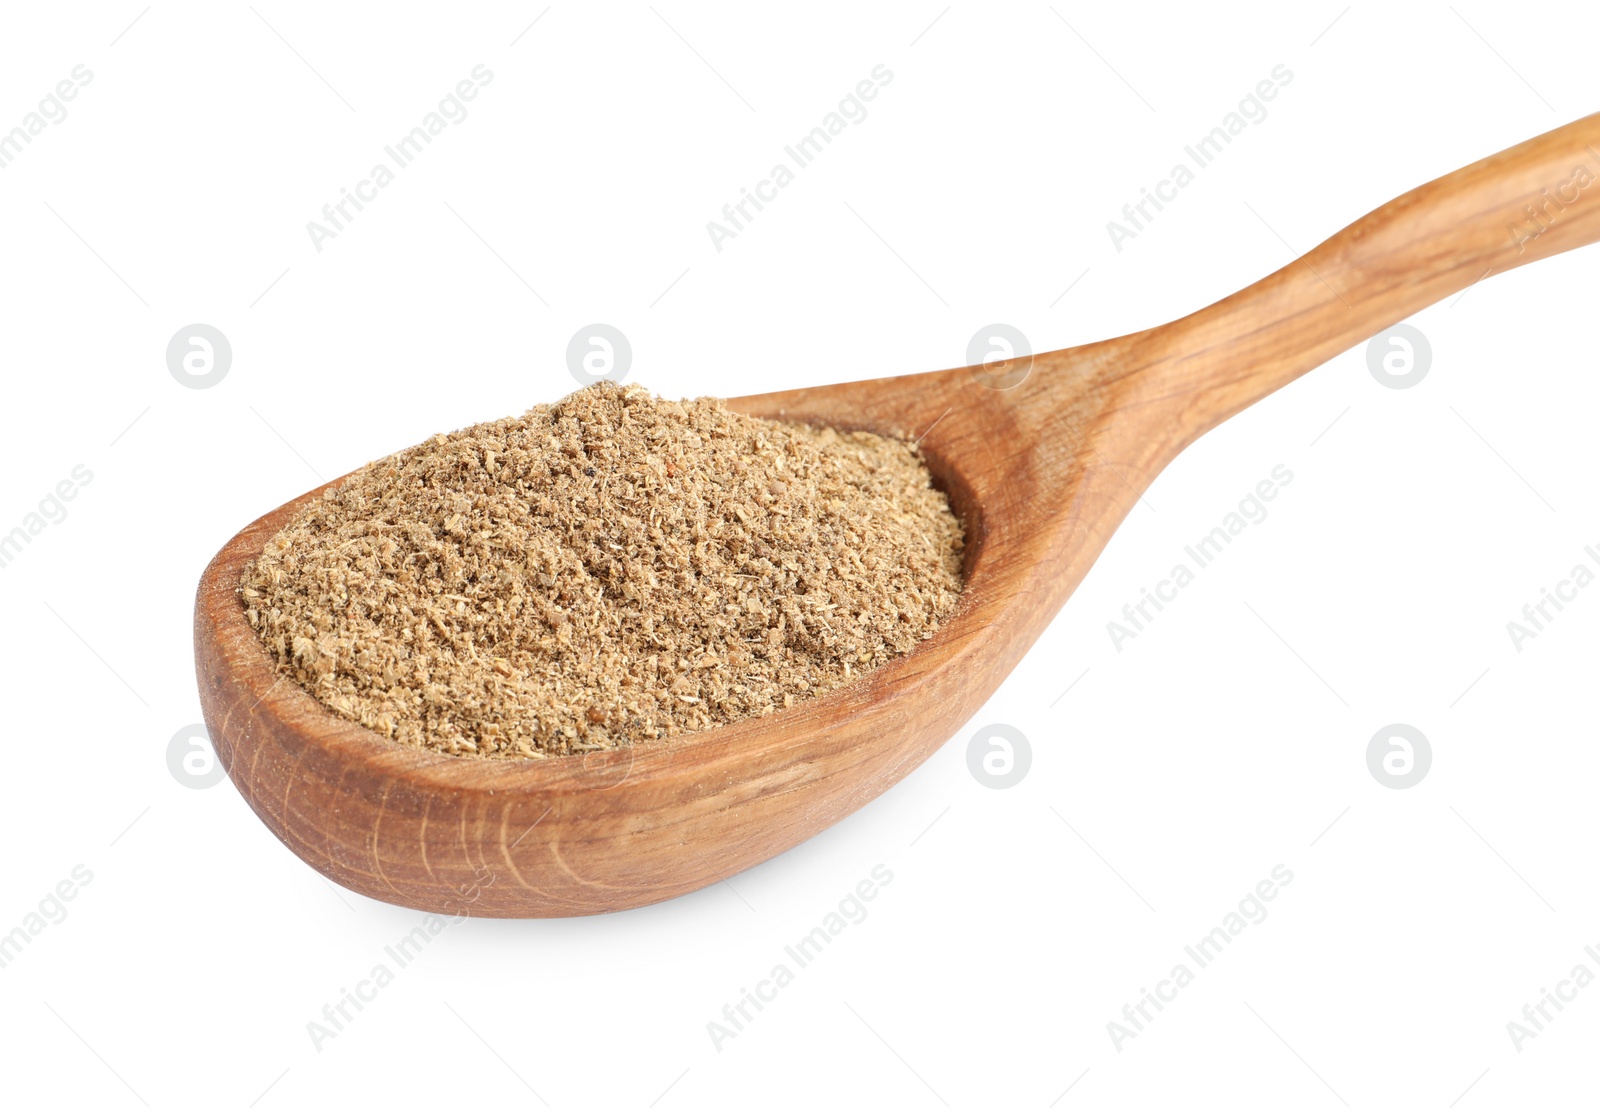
[[603, 570]]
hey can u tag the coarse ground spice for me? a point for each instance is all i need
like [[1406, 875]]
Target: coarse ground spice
[[606, 569]]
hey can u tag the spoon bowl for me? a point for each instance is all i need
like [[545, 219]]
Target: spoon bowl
[[1042, 458]]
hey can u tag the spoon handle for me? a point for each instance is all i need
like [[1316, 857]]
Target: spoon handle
[[1528, 202]]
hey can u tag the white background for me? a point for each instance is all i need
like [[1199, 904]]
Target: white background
[[1173, 777]]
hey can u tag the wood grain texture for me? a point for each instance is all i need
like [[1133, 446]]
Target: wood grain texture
[[1042, 473]]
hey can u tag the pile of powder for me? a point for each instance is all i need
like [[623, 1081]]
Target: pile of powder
[[610, 568]]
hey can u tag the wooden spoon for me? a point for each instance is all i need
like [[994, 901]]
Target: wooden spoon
[[1041, 472]]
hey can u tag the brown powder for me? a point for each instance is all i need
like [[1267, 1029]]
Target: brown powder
[[610, 568]]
